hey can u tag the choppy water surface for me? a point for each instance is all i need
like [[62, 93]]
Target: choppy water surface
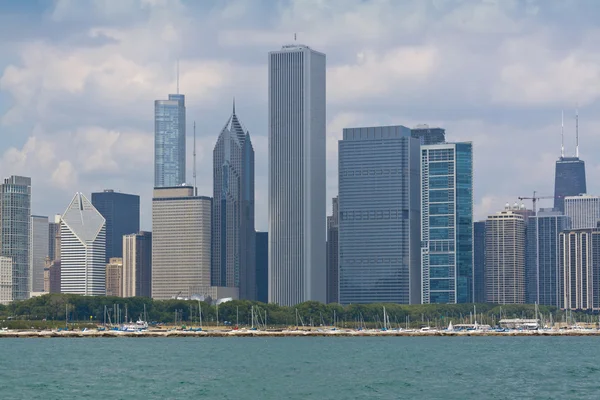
[[301, 368]]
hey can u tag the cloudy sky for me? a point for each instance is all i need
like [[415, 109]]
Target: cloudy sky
[[78, 80]]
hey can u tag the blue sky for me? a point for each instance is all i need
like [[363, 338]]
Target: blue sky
[[78, 80]]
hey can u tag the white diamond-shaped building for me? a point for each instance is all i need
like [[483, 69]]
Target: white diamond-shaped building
[[83, 249]]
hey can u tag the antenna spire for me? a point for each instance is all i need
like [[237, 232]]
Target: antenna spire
[[178, 76], [234, 105], [294, 36], [562, 134], [577, 132], [195, 185]]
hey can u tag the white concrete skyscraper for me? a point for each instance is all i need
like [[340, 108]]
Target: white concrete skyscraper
[[297, 270], [82, 249]]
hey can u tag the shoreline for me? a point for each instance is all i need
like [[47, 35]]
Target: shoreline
[[250, 333]]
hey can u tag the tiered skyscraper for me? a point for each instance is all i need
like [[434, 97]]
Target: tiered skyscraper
[[379, 216], [447, 223], [233, 235], [169, 141], [15, 231], [83, 249], [296, 175]]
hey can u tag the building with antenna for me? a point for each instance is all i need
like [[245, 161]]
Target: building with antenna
[[169, 140], [233, 235], [569, 177]]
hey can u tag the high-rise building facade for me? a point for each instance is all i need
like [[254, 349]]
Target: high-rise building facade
[[169, 141], [38, 252], [379, 216], [262, 266], [583, 211], [137, 264], [479, 262], [15, 231], [447, 223], [82, 249], [122, 214], [569, 180], [6, 280], [54, 239], [114, 277], [233, 243], [428, 135], [579, 269], [505, 257], [332, 254], [297, 175], [181, 242], [542, 248]]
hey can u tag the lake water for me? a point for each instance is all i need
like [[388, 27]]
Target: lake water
[[301, 368]]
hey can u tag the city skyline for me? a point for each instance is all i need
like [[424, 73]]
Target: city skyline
[[111, 130]]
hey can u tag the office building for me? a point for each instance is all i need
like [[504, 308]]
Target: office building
[[447, 223], [181, 242], [428, 135], [114, 277], [542, 256], [479, 261], [297, 176], [54, 238], [6, 280], [122, 214], [38, 252], [569, 180], [15, 228], [169, 141], [137, 264], [583, 211], [52, 277], [262, 267], [82, 249], [233, 243], [379, 216], [332, 253], [579, 269], [505, 257]]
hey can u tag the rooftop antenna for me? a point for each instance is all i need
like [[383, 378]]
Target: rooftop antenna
[[234, 105], [195, 185], [577, 132], [294, 36], [178, 76], [562, 134]]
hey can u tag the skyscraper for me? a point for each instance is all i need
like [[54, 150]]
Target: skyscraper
[[181, 241], [296, 175], [82, 249], [542, 256], [137, 264], [114, 277], [583, 211], [379, 216], [6, 280], [15, 230], [505, 257], [122, 214], [447, 223], [38, 251], [262, 266], [479, 261], [169, 141], [428, 135], [233, 243], [54, 239], [332, 254], [569, 176]]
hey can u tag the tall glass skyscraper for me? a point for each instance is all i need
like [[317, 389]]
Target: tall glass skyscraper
[[262, 267], [379, 216], [122, 214], [233, 235], [296, 175], [541, 267], [569, 180], [15, 231], [169, 141], [447, 223], [479, 261]]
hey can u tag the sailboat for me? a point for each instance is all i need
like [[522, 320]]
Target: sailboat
[[450, 327]]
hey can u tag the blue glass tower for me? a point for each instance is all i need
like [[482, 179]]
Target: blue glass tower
[[447, 223], [122, 214], [379, 210], [169, 141], [479, 262]]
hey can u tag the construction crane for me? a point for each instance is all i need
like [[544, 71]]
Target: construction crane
[[534, 200]]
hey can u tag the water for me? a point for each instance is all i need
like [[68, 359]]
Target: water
[[301, 368]]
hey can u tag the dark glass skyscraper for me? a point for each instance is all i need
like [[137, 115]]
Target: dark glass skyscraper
[[262, 267], [569, 180], [479, 261], [233, 236], [122, 214]]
